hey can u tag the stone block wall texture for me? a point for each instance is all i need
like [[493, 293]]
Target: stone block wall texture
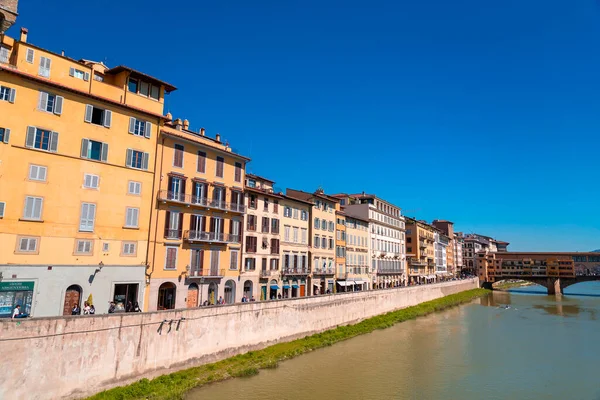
[[71, 357]]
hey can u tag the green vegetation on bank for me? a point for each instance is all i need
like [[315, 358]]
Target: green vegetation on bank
[[175, 385]]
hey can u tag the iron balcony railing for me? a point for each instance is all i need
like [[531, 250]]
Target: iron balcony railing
[[296, 271], [323, 271], [172, 234], [265, 273], [206, 273], [210, 237], [166, 195], [388, 271]]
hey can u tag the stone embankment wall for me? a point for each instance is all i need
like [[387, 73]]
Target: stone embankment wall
[[71, 357]]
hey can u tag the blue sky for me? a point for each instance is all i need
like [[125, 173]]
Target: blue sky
[[484, 113]]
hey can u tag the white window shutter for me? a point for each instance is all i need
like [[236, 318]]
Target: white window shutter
[[148, 131], [43, 101], [2, 207], [58, 105], [54, 142], [30, 139], [91, 216], [30, 56], [83, 218], [129, 157], [71, 71], [95, 181], [42, 173], [88, 113], [131, 125], [104, 153], [86, 76], [33, 171], [128, 217], [87, 180], [145, 158], [37, 208], [131, 187], [6, 135], [12, 95], [85, 143], [107, 118]]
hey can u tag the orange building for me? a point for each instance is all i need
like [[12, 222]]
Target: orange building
[[77, 160]]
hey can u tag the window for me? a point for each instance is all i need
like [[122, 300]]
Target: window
[[140, 128], [274, 246], [274, 264], [4, 135], [251, 183], [178, 156], [93, 150], [266, 204], [37, 173], [331, 226], [137, 159], [304, 235], [27, 244], [324, 242], [171, 257], [155, 92], [105, 247], [238, 172], [275, 226], [250, 264], [234, 229], [88, 215], [304, 216], [45, 64], [251, 244], [2, 208], [129, 249], [91, 181], [251, 225], [134, 187], [131, 217], [295, 235], [174, 224], [33, 208], [132, 85], [252, 201], [144, 89], [41, 139], [97, 116], [286, 233], [7, 94], [83, 247], [201, 167], [4, 53], [98, 77], [318, 223], [233, 264], [317, 242], [287, 211], [79, 74], [219, 170]]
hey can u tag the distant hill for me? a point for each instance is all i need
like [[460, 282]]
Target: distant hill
[[596, 251]]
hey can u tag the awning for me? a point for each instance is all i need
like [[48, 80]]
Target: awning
[[286, 286], [345, 283], [275, 287], [295, 286], [359, 282]]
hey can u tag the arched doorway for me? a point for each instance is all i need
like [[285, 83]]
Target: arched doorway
[[72, 297], [192, 296], [212, 293], [273, 288], [166, 296], [230, 292], [248, 289]]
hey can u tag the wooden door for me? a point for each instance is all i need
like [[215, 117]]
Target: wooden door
[[302, 290], [72, 297], [192, 297]]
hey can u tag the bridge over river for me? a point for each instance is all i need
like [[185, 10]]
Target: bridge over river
[[555, 285]]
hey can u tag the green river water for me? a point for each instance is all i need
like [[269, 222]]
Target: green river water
[[542, 347]]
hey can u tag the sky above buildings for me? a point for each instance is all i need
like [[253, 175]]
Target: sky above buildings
[[483, 113]]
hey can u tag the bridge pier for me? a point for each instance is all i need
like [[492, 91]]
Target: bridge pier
[[553, 286]]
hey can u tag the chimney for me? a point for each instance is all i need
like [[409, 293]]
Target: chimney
[[169, 116], [178, 124], [202, 132], [24, 33], [218, 138], [186, 124], [62, 53]]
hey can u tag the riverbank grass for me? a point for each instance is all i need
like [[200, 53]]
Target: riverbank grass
[[175, 385]]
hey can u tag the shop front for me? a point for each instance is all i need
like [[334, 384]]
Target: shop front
[[13, 294]]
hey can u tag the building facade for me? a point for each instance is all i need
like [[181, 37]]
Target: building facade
[[343, 284], [77, 151], [357, 253], [447, 228], [441, 244], [420, 251], [458, 243], [295, 249], [475, 243], [322, 238], [195, 235], [262, 238]]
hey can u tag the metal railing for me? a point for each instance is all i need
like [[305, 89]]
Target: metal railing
[[166, 195], [323, 270], [211, 237], [172, 234], [296, 271], [264, 273], [206, 273]]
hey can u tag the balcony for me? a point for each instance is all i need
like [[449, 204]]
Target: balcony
[[323, 271], [296, 271], [206, 273], [390, 271], [419, 263], [265, 273], [210, 237], [422, 245], [189, 200]]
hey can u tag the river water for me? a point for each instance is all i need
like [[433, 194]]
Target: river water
[[542, 347]]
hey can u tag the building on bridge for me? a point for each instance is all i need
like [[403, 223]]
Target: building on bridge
[[476, 243]]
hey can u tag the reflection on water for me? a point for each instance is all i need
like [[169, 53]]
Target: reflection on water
[[542, 347]]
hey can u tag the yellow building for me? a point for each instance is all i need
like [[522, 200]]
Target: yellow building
[[420, 251], [341, 275], [77, 144], [321, 237], [195, 234]]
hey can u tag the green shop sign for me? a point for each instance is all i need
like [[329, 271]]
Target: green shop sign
[[16, 286]]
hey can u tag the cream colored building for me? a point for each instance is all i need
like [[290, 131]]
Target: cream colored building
[[357, 253], [295, 249]]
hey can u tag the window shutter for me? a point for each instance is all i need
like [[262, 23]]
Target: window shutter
[[43, 101], [71, 71], [54, 142], [131, 125], [212, 225], [104, 152], [58, 105], [128, 157], [86, 76], [148, 129], [204, 218], [107, 118], [231, 232], [201, 162], [2, 206], [84, 147], [12, 95], [167, 223], [82, 219], [193, 222], [30, 56], [6, 135], [180, 225], [88, 113], [28, 212], [42, 173], [30, 139], [145, 158]]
